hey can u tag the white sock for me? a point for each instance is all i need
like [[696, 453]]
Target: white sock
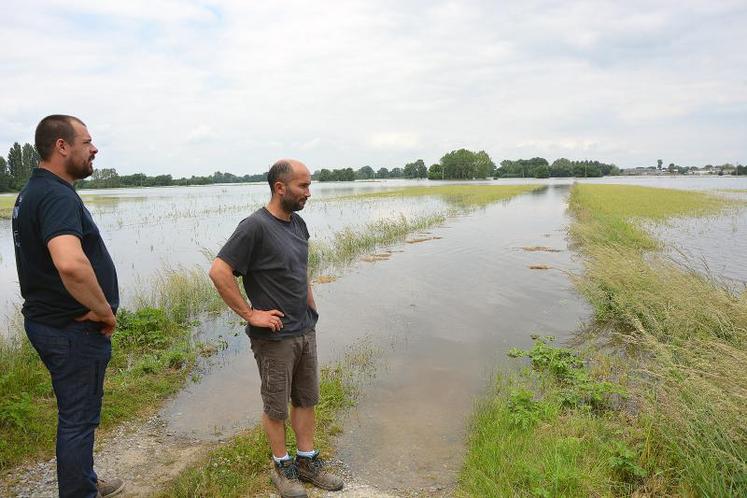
[[307, 454], [282, 458]]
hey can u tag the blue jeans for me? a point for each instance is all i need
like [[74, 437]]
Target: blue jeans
[[76, 357]]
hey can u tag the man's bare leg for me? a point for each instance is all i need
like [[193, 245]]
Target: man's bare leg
[[275, 430], [303, 422]]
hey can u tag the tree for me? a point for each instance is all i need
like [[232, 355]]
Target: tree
[[365, 173], [659, 162], [465, 164], [325, 175], [4, 176], [422, 171], [396, 173], [671, 168], [29, 161], [412, 170], [435, 172], [484, 166], [15, 165], [542, 172], [561, 168], [382, 173]]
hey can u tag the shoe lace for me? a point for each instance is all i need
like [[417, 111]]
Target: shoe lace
[[290, 471], [316, 463]]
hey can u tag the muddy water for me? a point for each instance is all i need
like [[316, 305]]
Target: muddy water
[[442, 313]]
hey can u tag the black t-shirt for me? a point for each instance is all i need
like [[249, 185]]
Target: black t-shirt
[[48, 206], [271, 256]]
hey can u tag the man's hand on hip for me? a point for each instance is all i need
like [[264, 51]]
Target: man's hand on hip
[[266, 319], [108, 321]]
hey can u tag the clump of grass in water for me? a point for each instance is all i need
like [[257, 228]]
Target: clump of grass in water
[[240, 466], [6, 206], [350, 243], [461, 196], [183, 293]]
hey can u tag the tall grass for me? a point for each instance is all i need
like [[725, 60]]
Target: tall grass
[[667, 356], [152, 354], [240, 467], [349, 243], [685, 336]]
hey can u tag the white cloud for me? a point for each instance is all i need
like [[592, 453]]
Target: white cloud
[[193, 86]]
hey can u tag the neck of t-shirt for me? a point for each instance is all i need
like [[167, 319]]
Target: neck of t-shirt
[[279, 218]]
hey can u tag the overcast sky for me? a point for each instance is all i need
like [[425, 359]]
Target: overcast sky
[[191, 87]]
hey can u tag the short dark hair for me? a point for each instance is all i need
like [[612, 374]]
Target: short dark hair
[[50, 129], [280, 171]]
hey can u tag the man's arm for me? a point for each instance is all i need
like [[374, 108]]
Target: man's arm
[[221, 274], [80, 280], [310, 299]]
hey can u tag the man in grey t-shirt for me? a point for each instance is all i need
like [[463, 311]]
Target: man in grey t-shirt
[[270, 251]]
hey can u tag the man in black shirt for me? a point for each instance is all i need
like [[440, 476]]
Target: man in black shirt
[[270, 251], [69, 286]]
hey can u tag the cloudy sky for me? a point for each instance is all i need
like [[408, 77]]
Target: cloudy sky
[[191, 87]]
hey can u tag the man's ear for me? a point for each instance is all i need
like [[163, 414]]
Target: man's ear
[[61, 146], [279, 187]]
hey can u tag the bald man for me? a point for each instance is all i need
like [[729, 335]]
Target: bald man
[[270, 251]]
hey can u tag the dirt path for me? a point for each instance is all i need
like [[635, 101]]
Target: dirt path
[[147, 457]]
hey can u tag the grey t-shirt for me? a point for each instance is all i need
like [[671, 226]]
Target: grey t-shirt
[[271, 256]]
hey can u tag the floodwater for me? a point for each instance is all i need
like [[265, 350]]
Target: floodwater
[[442, 313]]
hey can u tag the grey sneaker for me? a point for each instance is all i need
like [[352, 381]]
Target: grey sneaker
[[311, 469], [284, 476], [109, 487]]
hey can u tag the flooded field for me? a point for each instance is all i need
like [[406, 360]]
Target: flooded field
[[440, 312]]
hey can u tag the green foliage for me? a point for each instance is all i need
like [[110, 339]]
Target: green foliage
[[624, 462], [109, 178], [152, 355], [415, 169], [525, 440], [467, 165]]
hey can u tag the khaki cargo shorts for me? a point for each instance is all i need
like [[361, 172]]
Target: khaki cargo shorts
[[289, 370]]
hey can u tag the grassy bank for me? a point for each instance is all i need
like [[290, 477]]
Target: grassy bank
[[667, 337], [152, 354], [240, 467]]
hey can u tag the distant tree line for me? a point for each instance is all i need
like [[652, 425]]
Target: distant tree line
[[538, 167], [109, 178], [16, 169], [463, 164]]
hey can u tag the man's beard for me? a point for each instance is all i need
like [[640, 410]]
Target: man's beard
[[80, 171], [290, 205]]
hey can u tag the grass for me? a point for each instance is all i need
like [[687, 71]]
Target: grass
[[349, 243], [240, 467], [670, 337], [464, 196], [6, 205], [549, 431], [152, 354]]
